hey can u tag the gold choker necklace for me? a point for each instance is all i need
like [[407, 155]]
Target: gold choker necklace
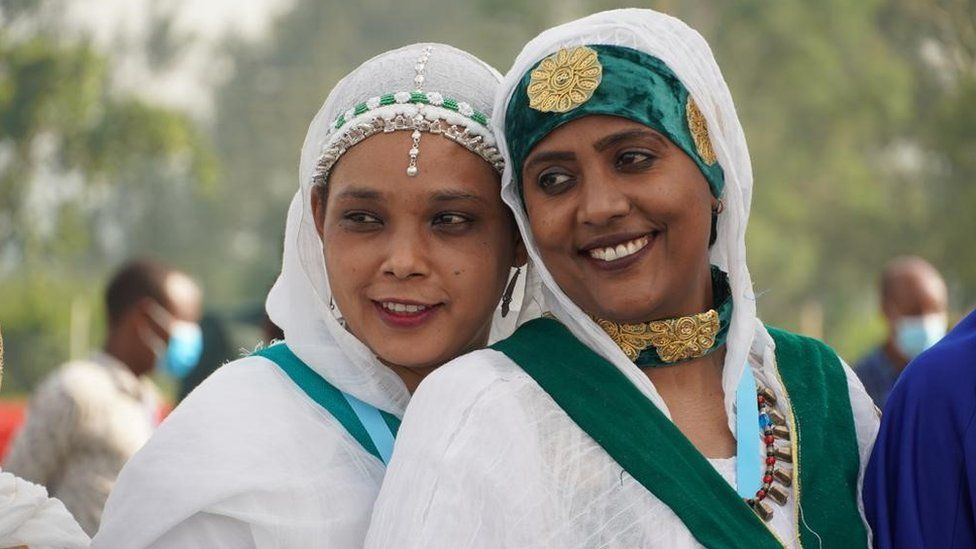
[[674, 339]]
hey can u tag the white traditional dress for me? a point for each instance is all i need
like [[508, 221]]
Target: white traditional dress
[[493, 453], [254, 457]]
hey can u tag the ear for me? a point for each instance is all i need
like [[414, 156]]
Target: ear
[[318, 210]]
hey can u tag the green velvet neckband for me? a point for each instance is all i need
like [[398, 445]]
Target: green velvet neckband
[[634, 85], [722, 298]]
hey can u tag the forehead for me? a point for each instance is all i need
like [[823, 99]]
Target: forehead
[[586, 130], [379, 163], [184, 296]]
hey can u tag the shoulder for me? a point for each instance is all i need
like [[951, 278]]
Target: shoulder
[[792, 342], [73, 383], [466, 392], [243, 440], [469, 382]]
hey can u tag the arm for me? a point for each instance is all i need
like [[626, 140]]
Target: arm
[[45, 440]]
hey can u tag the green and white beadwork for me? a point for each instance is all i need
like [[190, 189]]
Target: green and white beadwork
[[415, 97]]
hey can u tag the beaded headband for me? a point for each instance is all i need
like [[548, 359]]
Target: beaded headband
[[416, 110]]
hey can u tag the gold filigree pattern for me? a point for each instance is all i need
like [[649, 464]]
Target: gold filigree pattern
[[674, 339], [565, 80], [631, 338], [699, 132], [684, 337]]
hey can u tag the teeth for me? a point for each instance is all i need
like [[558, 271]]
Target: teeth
[[611, 253], [403, 307]]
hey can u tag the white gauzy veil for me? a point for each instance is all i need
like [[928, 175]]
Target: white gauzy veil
[[459, 86], [687, 54]]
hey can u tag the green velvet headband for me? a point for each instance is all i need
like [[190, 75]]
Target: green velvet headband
[[608, 80]]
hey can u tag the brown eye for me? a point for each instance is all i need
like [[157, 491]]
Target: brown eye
[[361, 217], [555, 182], [450, 219], [635, 159]]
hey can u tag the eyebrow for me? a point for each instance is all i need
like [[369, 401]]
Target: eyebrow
[[626, 135], [450, 195], [361, 193], [549, 156]]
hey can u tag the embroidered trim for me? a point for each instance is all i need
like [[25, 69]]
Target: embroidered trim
[[459, 134], [416, 97], [674, 339], [565, 80], [699, 131]]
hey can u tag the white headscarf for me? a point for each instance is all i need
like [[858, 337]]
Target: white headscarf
[[247, 458], [687, 54], [486, 458], [300, 301]]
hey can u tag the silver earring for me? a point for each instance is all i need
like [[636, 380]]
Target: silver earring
[[507, 296]]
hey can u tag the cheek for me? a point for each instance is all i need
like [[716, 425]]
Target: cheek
[[347, 264], [551, 227]]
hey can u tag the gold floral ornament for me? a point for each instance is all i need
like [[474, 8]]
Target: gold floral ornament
[[685, 337], [674, 339], [699, 131], [565, 80]]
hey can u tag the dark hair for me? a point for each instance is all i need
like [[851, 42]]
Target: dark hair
[[134, 282]]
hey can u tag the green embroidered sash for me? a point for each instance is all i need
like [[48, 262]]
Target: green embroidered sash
[[326, 395], [605, 404]]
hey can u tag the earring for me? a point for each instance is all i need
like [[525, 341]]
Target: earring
[[720, 208], [507, 296]]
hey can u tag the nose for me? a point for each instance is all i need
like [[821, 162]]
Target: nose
[[601, 201], [407, 255]]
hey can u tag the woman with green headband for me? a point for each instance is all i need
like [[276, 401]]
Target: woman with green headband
[[651, 408]]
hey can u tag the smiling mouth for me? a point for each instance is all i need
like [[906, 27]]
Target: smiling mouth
[[404, 309], [619, 251]]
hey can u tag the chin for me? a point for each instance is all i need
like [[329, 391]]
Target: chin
[[626, 309], [412, 360]]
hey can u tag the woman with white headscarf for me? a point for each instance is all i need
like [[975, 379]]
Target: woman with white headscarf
[[397, 252], [652, 408]]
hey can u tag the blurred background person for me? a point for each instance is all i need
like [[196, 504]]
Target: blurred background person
[[914, 302], [90, 416], [28, 517]]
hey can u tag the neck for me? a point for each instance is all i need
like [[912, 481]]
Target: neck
[[698, 376], [894, 355], [117, 347], [411, 376], [698, 298]]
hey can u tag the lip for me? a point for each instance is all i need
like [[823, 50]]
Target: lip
[[405, 320], [612, 240]]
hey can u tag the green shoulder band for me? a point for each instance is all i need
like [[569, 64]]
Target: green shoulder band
[[607, 80]]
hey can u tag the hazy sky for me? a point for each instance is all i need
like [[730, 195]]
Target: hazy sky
[[121, 29]]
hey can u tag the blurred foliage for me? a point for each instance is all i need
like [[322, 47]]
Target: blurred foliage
[[87, 178], [861, 121]]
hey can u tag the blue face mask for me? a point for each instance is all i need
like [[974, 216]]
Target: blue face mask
[[178, 357], [914, 334], [184, 349]]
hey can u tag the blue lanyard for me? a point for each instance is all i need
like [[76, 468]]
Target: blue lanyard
[[748, 463], [377, 429]]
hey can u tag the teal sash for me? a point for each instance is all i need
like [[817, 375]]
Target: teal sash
[[645, 443], [373, 429]]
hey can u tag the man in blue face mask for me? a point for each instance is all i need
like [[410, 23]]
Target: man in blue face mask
[[914, 302], [90, 416]]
